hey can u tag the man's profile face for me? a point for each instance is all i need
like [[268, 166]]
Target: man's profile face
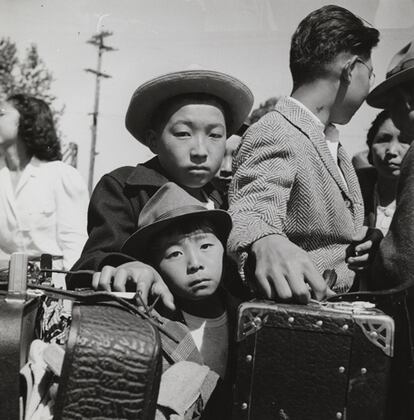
[[401, 106]]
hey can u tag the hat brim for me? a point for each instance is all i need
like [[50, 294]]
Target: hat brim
[[236, 96], [137, 244], [380, 96]]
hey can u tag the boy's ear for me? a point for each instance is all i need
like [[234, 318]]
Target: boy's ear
[[151, 140], [346, 74]]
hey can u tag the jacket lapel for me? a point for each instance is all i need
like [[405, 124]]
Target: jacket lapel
[[304, 122]]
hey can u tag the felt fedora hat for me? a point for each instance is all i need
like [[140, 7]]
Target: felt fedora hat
[[400, 70], [234, 94], [170, 205]]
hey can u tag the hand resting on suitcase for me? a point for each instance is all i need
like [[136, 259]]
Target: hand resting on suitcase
[[285, 271], [134, 276]]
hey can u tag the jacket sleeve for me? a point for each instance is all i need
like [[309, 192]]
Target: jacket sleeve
[[111, 219], [394, 263], [264, 171]]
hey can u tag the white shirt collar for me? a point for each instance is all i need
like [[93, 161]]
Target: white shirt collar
[[318, 122]]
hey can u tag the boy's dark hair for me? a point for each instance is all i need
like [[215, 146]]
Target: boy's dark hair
[[322, 35], [183, 227], [373, 130]]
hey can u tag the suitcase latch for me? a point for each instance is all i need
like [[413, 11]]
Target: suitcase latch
[[251, 322]]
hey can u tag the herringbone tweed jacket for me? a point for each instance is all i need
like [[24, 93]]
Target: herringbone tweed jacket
[[286, 182]]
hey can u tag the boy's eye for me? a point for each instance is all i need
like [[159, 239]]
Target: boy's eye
[[216, 135], [181, 134], [206, 245], [173, 254]]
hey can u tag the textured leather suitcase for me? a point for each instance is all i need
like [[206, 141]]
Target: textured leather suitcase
[[312, 362], [112, 362]]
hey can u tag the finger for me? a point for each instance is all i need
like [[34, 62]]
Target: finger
[[144, 280], [329, 292], [280, 285], [316, 282], [361, 259], [160, 289], [95, 280], [120, 279], [299, 288], [363, 247], [263, 288], [104, 282]]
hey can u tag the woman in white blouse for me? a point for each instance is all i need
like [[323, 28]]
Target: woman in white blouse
[[387, 148], [43, 201]]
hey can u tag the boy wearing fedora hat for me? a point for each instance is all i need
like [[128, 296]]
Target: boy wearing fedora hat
[[394, 264], [295, 202], [185, 243], [184, 118]]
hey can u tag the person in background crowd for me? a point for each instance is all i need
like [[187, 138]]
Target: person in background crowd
[[185, 118], [225, 173], [394, 264], [387, 148], [43, 201], [294, 199], [263, 109]]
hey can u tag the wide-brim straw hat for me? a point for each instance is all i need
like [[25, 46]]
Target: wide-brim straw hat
[[168, 206], [234, 94], [400, 70]]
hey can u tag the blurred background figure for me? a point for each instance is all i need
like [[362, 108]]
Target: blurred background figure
[[263, 109], [43, 201], [386, 150], [360, 159], [223, 177]]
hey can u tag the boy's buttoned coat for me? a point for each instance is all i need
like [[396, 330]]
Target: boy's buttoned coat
[[286, 182]]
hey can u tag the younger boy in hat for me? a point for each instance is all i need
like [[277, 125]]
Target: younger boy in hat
[[185, 243], [184, 118]]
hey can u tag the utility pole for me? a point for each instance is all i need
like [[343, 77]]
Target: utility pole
[[98, 41]]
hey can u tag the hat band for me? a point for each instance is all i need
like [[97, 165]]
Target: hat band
[[179, 212], [403, 66]]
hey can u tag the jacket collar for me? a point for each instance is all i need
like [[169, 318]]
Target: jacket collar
[[152, 174], [307, 123]]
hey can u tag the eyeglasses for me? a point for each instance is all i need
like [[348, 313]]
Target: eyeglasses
[[370, 69]]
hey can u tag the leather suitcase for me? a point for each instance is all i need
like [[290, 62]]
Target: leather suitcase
[[112, 363], [312, 362]]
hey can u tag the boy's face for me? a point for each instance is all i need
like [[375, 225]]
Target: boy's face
[[361, 77], [192, 142], [191, 264]]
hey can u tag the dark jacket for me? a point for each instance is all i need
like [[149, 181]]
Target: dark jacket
[[394, 264], [113, 212], [367, 178]]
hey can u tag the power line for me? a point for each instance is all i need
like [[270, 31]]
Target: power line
[[98, 41]]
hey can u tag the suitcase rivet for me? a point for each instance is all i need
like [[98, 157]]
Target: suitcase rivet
[[249, 358], [319, 323], [373, 334], [345, 327], [363, 371], [338, 415], [291, 319], [244, 406], [341, 369], [257, 321]]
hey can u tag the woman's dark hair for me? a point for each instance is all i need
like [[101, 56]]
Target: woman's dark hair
[[373, 130], [36, 127], [322, 35]]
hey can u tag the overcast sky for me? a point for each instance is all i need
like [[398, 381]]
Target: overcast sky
[[246, 38]]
